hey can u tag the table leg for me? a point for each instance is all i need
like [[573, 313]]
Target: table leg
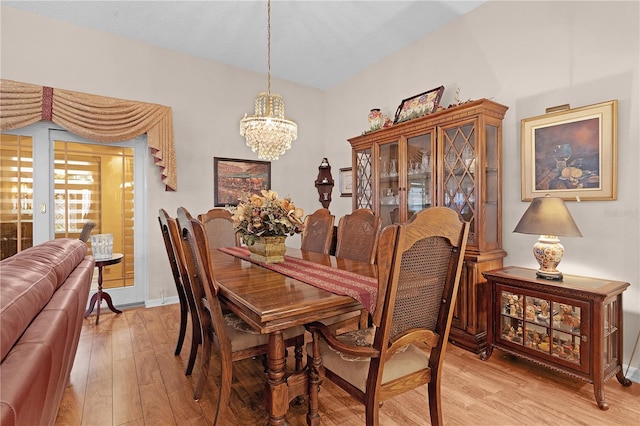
[[107, 298], [96, 300], [276, 391]]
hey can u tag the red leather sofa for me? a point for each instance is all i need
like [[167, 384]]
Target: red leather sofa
[[43, 295]]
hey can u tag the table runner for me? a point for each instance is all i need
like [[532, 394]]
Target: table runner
[[344, 283]]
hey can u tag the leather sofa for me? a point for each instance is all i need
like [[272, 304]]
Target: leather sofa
[[43, 296]]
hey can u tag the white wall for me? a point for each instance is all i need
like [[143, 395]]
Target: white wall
[[528, 56], [208, 100]]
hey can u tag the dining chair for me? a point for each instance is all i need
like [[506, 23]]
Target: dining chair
[[219, 227], [357, 239], [86, 231], [318, 231], [419, 268], [358, 235], [171, 237], [234, 338]]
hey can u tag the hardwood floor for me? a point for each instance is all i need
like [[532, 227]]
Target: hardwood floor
[[125, 373]]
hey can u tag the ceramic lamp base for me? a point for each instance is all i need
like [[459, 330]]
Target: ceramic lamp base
[[548, 252]]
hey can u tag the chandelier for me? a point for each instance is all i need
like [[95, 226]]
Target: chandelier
[[268, 131]]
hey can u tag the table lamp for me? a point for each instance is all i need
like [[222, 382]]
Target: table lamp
[[548, 217]]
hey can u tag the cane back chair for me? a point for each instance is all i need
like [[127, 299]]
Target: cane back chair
[[358, 235], [171, 237], [419, 267], [318, 231], [219, 227], [234, 339]]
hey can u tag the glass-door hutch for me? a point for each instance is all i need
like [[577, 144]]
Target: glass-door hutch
[[450, 158]]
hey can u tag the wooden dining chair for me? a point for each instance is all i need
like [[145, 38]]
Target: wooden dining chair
[[219, 227], [171, 237], [358, 235], [318, 231], [419, 267], [357, 239], [234, 339]]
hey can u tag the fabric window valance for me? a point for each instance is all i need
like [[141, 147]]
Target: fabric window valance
[[96, 118]]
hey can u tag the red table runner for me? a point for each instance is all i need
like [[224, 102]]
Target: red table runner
[[344, 283]]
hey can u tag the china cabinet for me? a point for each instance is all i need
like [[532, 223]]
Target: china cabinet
[[449, 158], [573, 326]]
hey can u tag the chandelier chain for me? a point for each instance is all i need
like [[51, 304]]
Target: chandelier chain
[[269, 46]]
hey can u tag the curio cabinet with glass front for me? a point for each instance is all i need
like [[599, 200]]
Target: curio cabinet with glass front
[[449, 158]]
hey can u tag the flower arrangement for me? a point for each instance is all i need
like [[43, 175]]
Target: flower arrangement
[[266, 216]]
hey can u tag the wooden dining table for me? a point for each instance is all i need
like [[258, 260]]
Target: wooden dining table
[[271, 302]]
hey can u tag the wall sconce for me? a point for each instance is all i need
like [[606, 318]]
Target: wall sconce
[[548, 217]]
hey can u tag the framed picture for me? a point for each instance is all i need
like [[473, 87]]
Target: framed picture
[[233, 177], [346, 181], [418, 105], [571, 154]]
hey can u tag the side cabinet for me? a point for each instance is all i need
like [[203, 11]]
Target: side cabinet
[[572, 326]]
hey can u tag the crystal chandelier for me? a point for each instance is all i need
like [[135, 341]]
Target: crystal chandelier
[[268, 131]]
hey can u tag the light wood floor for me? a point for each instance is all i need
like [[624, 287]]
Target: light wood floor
[[125, 373]]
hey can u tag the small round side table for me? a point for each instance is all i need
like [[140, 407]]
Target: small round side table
[[103, 295]]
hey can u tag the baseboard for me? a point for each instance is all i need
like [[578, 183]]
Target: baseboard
[[152, 303], [633, 374]]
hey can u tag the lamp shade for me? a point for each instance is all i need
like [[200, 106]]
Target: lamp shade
[[548, 216]]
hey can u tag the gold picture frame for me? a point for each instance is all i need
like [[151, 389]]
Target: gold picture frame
[[571, 154]]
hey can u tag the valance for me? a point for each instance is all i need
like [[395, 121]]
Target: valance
[[97, 118]]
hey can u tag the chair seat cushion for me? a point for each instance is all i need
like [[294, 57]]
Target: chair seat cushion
[[355, 370], [243, 336], [342, 318]]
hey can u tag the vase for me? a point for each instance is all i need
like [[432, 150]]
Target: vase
[[268, 249], [375, 119]]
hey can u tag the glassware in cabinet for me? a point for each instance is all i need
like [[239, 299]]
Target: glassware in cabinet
[[419, 166]]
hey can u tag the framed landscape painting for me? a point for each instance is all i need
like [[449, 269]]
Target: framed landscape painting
[[233, 177], [571, 154]]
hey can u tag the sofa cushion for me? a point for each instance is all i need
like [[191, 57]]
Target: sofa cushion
[[23, 388], [27, 282]]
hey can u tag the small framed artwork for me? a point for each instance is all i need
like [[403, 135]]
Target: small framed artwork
[[418, 105], [571, 154], [346, 182], [233, 177]]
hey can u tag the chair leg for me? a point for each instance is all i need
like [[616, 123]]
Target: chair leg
[[201, 381], [226, 376], [372, 412], [183, 321], [196, 339], [435, 411]]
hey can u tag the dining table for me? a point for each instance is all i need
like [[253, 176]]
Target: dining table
[[271, 298]]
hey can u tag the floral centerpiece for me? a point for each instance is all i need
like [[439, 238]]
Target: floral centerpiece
[[258, 218]]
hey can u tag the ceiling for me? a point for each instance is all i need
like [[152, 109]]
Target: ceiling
[[314, 43]]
